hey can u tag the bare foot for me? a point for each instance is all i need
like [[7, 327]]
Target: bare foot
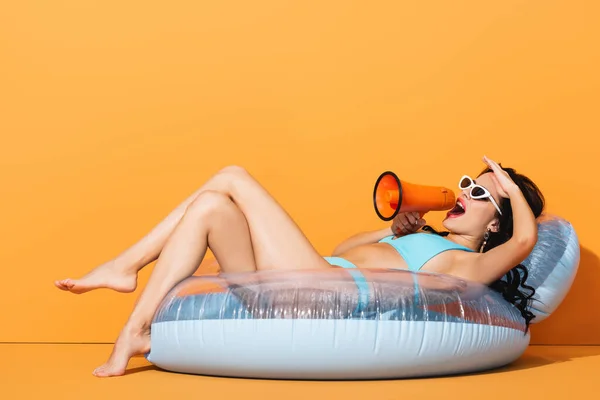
[[105, 276], [131, 342]]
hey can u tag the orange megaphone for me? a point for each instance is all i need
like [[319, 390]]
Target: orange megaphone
[[391, 196]]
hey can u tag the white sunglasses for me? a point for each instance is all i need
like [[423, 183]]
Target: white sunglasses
[[478, 192]]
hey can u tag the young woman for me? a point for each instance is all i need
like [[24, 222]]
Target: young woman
[[491, 230]]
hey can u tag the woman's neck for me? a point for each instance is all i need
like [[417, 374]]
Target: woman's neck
[[465, 240]]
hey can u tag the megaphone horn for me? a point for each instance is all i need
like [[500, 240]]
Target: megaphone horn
[[392, 196]]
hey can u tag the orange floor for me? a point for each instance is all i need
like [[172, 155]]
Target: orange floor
[[36, 371]]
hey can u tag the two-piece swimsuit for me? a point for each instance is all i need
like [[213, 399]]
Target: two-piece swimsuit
[[416, 249]]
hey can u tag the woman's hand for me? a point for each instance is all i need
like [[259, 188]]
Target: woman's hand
[[405, 223], [503, 181]]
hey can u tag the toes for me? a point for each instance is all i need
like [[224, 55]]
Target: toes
[[103, 371], [61, 284], [66, 283], [108, 370]]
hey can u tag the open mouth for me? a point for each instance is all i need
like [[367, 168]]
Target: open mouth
[[458, 210]]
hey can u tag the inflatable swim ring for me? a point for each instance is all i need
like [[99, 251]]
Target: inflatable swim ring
[[317, 324]]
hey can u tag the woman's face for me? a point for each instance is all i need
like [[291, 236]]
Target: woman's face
[[470, 216]]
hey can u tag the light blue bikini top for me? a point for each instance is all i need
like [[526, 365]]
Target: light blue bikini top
[[418, 248]]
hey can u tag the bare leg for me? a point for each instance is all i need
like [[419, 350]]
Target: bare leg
[[120, 274], [276, 243], [211, 220]]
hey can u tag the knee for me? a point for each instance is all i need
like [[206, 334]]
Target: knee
[[233, 177], [235, 173], [208, 204]]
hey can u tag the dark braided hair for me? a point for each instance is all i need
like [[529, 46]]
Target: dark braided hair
[[512, 286]]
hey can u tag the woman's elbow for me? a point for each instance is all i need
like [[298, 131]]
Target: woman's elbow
[[526, 243], [528, 238]]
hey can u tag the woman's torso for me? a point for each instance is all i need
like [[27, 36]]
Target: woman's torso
[[383, 255]]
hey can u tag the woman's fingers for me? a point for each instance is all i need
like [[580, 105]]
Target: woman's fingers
[[489, 162], [411, 218], [492, 164], [407, 222]]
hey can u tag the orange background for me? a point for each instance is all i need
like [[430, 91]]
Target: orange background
[[112, 113]]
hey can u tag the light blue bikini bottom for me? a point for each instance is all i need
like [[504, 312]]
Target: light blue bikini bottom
[[361, 282], [339, 262]]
